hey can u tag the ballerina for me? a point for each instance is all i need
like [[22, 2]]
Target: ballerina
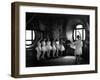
[[78, 50], [57, 47], [38, 49], [44, 49], [49, 48]]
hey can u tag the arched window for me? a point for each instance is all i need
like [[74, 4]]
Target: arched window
[[30, 36], [79, 30]]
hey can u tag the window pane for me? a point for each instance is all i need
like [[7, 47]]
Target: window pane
[[79, 26], [33, 35], [28, 35], [28, 46], [28, 42], [79, 32], [74, 35], [84, 34]]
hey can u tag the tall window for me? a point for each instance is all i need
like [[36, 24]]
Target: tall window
[[30, 36], [79, 30]]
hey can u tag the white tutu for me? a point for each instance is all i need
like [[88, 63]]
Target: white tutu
[[62, 48], [44, 49], [48, 47]]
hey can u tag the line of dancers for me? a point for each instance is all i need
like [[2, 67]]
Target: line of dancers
[[45, 47]]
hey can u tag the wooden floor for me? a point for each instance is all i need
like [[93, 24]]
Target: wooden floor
[[67, 58], [64, 60]]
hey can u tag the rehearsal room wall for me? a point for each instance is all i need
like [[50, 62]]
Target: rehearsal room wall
[[5, 40]]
